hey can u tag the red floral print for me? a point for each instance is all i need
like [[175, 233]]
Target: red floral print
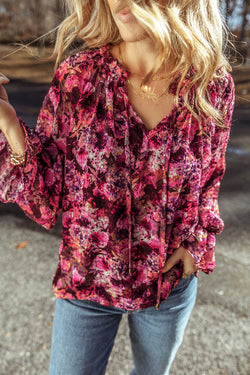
[[128, 196]]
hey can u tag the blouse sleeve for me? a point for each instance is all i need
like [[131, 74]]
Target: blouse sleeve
[[201, 243], [37, 185]]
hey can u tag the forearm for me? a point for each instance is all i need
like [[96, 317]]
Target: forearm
[[30, 185], [9, 123], [15, 136], [31, 172]]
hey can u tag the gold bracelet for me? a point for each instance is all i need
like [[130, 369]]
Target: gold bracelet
[[16, 159]]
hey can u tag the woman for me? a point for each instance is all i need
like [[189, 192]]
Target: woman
[[129, 146]]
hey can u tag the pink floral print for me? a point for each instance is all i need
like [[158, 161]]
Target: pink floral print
[[128, 196]]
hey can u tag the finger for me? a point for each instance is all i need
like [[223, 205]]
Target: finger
[[187, 270], [3, 75], [3, 94], [3, 80], [171, 262]]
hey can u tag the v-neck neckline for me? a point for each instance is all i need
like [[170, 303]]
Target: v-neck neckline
[[125, 74], [159, 125]]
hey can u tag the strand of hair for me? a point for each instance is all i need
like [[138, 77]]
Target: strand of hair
[[29, 44]]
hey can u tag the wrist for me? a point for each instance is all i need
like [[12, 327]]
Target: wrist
[[10, 126], [15, 137]]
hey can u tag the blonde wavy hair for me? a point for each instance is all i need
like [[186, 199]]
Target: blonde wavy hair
[[187, 33]]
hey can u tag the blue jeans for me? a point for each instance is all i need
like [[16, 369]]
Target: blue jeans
[[84, 333]]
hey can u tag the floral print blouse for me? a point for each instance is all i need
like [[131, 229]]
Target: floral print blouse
[[129, 196]]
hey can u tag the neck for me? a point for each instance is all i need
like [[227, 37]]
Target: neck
[[139, 57]]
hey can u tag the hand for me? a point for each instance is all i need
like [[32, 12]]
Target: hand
[[7, 112], [182, 254]]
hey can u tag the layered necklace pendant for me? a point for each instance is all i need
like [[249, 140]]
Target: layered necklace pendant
[[151, 95], [145, 92]]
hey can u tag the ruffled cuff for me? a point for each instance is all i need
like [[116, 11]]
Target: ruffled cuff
[[12, 178], [210, 220], [32, 146], [201, 245], [10, 175]]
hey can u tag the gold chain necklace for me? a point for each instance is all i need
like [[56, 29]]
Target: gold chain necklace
[[144, 95]]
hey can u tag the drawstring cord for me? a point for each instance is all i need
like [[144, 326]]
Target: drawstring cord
[[163, 220], [129, 212], [162, 230], [129, 206], [128, 196], [164, 203]]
